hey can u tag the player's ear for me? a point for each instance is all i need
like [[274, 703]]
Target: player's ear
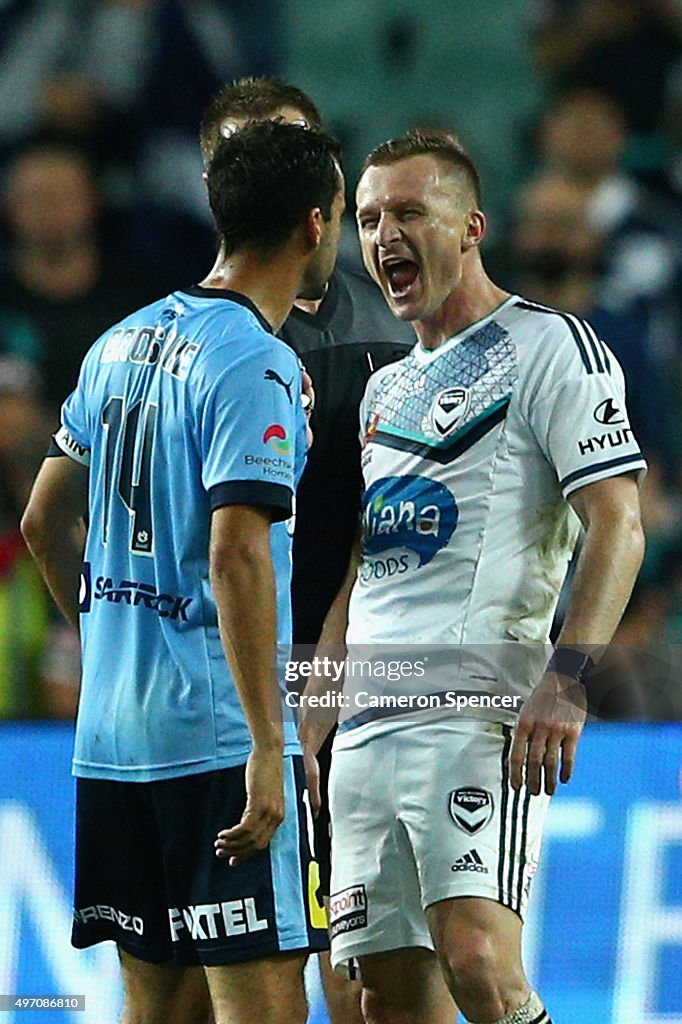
[[205, 177], [475, 229], [314, 227]]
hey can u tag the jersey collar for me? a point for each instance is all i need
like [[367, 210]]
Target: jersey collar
[[198, 291], [428, 355]]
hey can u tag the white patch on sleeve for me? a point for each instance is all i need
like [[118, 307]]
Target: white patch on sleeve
[[71, 447]]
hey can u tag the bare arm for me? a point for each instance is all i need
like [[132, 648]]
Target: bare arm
[[609, 562], [316, 723], [552, 718], [54, 529], [243, 582]]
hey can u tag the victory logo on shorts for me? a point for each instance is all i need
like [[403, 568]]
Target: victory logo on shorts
[[276, 438], [449, 409], [471, 808]]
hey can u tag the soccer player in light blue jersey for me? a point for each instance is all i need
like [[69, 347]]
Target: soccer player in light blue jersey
[[181, 446]]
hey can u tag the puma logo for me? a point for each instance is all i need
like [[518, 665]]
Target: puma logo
[[275, 377]]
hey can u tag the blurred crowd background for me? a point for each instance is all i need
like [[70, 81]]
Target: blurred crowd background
[[572, 109]]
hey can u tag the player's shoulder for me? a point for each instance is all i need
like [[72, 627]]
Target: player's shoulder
[[120, 336], [227, 328], [216, 312], [549, 339]]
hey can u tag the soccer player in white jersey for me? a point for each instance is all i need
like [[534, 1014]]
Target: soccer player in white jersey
[[484, 450]]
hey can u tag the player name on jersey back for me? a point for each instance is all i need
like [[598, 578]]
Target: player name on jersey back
[[148, 345]]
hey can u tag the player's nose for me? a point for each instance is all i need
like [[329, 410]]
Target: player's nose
[[388, 230]]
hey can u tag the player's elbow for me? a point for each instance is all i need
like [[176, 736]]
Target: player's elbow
[[638, 540], [34, 527], [229, 563], [631, 533]]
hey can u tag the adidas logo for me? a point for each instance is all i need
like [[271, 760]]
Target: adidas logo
[[471, 861]]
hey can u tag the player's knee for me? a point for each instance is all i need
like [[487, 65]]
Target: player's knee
[[472, 970], [281, 1015], [280, 1011], [170, 1012], [343, 1000], [383, 1007], [195, 1014]]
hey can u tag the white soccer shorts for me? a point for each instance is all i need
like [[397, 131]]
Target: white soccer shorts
[[420, 815]]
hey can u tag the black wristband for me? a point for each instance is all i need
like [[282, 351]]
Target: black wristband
[[567, 661]]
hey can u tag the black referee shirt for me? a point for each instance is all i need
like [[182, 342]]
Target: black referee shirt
[[352, 334]]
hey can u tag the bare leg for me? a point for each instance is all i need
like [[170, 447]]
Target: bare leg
[[405, 986], [341, 995], [478, 943], [163, 993], [268, 990]]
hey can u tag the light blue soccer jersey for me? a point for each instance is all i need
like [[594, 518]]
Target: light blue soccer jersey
[[185, 406]]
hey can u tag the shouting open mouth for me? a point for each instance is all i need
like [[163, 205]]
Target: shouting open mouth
[[401, 273]]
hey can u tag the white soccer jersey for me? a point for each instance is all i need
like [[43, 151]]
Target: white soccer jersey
[[470, 452]]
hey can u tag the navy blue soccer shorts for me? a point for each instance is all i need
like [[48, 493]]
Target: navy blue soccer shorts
[[147, 875]]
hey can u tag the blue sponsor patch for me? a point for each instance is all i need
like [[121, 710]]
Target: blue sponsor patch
[[408, 512]]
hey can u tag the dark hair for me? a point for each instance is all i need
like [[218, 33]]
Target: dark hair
[[439, 144], [263, 180], [253, 99]]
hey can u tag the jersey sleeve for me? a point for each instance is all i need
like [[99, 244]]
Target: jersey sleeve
[[577, 412], [252, 432], [74, 436]]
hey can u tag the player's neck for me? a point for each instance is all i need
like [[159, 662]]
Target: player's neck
[[310, 306], [475, 297], [271, 285]]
